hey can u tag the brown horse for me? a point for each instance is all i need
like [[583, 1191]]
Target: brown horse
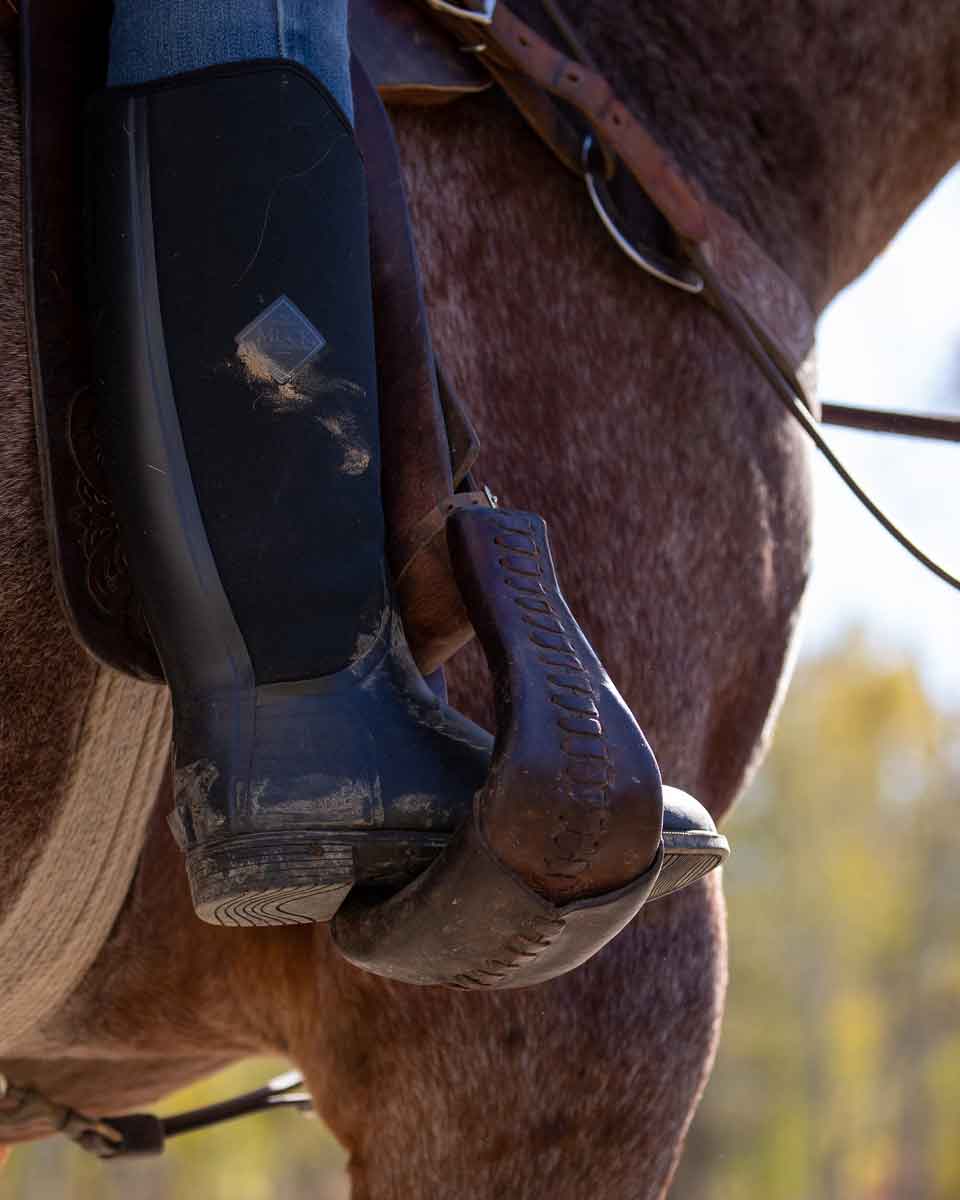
[[678, 499]]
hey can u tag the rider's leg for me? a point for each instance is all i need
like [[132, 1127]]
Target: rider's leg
[[231, 298], [235, 352]]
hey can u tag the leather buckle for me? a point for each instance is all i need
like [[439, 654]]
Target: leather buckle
[[481, 14]]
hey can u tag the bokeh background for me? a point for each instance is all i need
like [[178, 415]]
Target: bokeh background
[[838, 1076]]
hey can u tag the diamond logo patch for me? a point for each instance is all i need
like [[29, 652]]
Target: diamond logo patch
[[280, 339]]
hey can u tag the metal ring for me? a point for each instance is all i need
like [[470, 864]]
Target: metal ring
[[676, 274]]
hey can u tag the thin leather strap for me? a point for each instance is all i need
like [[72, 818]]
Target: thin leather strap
[[426, 529], [462, 437], [886, 420], [791, 393], [508, 46], [137, 1134], [542, 115]]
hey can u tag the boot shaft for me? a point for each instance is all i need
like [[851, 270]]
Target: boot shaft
[[230, 213]]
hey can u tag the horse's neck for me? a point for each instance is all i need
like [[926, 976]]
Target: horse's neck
[[819, 125]]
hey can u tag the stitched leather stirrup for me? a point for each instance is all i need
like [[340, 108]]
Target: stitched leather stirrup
[[239, 417], [564, 846]]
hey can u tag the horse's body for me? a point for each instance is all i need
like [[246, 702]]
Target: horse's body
[[678, 501]]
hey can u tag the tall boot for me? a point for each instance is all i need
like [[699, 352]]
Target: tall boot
[[231, 304]]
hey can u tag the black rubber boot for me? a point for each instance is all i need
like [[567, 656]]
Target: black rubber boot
[[234, 351]]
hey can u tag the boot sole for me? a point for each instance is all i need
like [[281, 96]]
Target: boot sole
[[300, 878], [237, 883], [688, 855]]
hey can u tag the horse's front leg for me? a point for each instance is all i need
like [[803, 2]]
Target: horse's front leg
[[581, 1087]]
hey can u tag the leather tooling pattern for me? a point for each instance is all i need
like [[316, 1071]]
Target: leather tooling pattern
[[576, 834], [544, 931]]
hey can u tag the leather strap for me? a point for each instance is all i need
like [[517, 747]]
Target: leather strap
[[535, 75], [788, 389], [25, 1112], [462, 437], [517, 56], [425, 530], [421, 468], [885, 420], [758, 303]]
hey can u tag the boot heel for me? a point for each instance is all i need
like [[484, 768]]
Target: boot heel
[[270, 879]]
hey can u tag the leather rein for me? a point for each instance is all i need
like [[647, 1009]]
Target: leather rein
[[574, 110]]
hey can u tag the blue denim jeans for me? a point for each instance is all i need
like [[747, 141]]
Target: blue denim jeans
[[151, 39]]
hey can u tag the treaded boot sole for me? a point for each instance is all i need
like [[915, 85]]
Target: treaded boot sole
[[300, 878], [688, 855]]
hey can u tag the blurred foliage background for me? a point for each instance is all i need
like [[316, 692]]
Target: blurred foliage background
[[276, 1156], [838, 1076]]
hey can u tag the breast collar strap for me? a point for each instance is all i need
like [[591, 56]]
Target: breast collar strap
[[720, 263]]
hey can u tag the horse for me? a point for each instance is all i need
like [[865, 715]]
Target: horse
[[678, 497]]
